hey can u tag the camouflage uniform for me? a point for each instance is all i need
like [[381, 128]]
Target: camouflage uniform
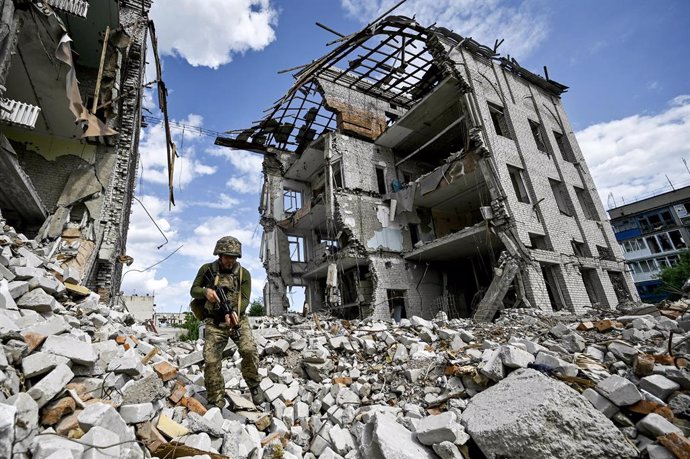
[[210, 275]]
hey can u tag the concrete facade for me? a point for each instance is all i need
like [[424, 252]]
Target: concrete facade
[[448, 180], [652, 232], [71, 167]]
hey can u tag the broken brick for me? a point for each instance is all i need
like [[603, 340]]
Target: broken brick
[[52, 413], [165, 370]]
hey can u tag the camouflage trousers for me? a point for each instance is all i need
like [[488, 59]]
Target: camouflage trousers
[[215, 342]]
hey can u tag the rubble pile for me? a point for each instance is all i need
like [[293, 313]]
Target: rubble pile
[[80, 379]]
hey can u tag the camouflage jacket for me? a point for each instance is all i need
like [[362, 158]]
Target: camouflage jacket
[[205, 278]]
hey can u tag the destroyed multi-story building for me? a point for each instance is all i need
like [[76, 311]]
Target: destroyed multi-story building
[[71, 73], [412, 170]]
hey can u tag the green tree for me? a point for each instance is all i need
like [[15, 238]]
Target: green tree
[[256, 308], [191, 324], [673, 277]]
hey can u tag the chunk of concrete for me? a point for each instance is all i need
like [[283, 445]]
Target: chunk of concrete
[[659, 386], [77, 351], [26, 423], [190, 359], [654, 425], [600, 402], [7, 420], [40, 363], [6, 299], [440, 428], [513, 357], [44, 446], [136, 413], [100, 437], [37, 300], [554, 363], [619, 390], [51, 385], [383, 438], [531, 416], [623, 351], [147, 389], [103, 415]]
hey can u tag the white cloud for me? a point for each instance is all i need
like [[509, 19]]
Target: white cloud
[[209, 32], [153, 153], [521, 25], [247, 175], [631, 157], [223, 201]]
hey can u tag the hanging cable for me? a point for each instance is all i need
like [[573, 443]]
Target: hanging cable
[[154, 221]]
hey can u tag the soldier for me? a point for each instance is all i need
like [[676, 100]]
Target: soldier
[[226, 273]]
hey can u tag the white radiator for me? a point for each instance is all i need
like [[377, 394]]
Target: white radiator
[[19, 113], [76, 7]]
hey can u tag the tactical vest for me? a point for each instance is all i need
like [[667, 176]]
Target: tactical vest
[[230, 282]]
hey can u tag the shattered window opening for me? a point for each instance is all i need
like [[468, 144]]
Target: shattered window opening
[[499, 120], [561, 196], [586, 203], [337, 174], [653, 244], [381, 179], [538, 135], [292, 200], [564, 147], [296, 247], [516, 178], [677, 239]]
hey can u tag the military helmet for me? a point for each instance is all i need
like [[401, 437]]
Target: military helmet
[[228, 245]]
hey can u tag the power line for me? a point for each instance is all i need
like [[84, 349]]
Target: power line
[[185, 127]]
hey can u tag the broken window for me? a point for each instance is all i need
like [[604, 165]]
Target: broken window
[[337, 174], [605, 253], [551, 275], [677, 239], [619, 286], [292, 200], [564, 147], [396, 304], [381, 179], [538, 135], [662, 263], [586, 203], [296, 246], [518, 182], [499, 119], [667, 218], [579, 248], [653, 244], [647, 266], [665, 242], [561, 195], [537, 241]]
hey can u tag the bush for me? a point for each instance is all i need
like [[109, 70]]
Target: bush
[[256, 308], [191, 324], [674, 277]]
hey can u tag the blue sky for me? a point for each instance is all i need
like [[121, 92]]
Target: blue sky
[[627, 65]]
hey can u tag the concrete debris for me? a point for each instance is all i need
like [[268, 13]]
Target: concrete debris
[[532, 384]]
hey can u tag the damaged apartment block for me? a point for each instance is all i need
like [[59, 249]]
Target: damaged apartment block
[[411, 171], [71, 74]]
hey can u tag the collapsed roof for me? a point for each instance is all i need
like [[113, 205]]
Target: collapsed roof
[[395, 60]]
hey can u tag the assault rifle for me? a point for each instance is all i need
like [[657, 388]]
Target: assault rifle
[[225, 312]]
